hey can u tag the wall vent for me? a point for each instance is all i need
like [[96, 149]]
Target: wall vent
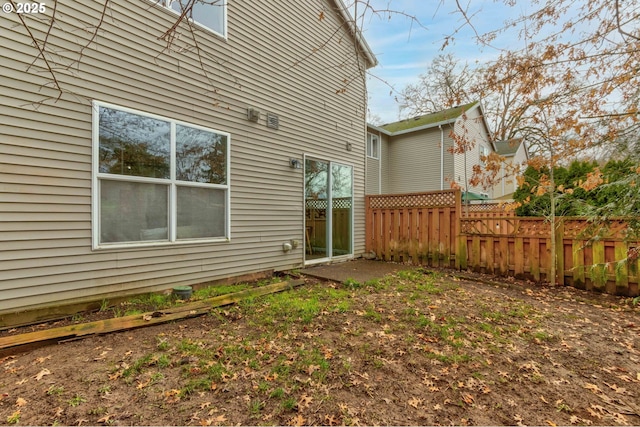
[[273, 121], [253, 115]]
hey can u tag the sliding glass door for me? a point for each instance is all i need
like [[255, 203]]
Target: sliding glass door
[[328, 210]]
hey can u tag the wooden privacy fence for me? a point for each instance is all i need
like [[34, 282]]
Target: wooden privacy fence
[[419, 228], [433, 229]]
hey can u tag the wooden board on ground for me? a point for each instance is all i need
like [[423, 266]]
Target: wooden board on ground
[[141, 320]]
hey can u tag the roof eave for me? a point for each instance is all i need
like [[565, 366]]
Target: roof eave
[[424, 127], [379, 129], [372, 61]]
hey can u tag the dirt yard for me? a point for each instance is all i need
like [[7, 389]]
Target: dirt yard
[[413, 348]]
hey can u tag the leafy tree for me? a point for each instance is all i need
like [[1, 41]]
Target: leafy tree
[[569, 195], [570, 87]]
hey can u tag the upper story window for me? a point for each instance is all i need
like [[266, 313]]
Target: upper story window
[[373, 146], [211, 14]]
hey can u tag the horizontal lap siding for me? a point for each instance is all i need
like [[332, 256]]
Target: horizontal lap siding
[[373, 176], [45, 146], [414, 162]]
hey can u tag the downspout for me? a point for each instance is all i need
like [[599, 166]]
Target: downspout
[[441, 158], [379, 162]]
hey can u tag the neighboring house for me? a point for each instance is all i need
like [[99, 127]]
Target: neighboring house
[[181, 162], [515, 155], [417, 154], [423, 153]]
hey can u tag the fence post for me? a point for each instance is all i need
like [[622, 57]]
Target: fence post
[[368, 225], [461, 241], [559, 251], [599, 268], [621, 268], [577, 248]]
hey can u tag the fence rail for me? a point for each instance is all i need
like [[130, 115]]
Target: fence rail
[[432, 229]]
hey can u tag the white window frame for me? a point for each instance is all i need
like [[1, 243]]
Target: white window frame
[[373, 152], [167, 5], [484, 152], [172, 183]]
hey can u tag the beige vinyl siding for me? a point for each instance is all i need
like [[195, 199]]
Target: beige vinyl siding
[[46, 145], [472, 128], [509, 184], [373, 176], [414, 162], [384, 159]]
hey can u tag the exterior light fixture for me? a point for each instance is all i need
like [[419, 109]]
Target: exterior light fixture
[[295, 164]]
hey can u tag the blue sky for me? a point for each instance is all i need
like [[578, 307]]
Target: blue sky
[[404, 51]]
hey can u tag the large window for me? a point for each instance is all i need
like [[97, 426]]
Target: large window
[[157, 180], [373, 146], [211, 14]]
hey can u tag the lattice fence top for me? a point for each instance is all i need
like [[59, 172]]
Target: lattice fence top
[[338, 203], [482, 207], [415, 200]]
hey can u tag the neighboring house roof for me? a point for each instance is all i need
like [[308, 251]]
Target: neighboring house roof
[[508, 148], [428, 120], [360, 40]]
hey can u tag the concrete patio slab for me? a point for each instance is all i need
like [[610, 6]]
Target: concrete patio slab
[[360, 270]]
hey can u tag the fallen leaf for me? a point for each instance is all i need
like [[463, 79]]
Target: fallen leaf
[[142, 385], [601, 411], [620, 419], [20, 402], [328, 354], [220, 419], [305, 401], [105, 419], [468, 399], [615, 388], [331, 420], [22, 381], [415, 402], [551, 423], [298, 420], [592, 387], [312, 368], [42, 373], [42, 359]]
